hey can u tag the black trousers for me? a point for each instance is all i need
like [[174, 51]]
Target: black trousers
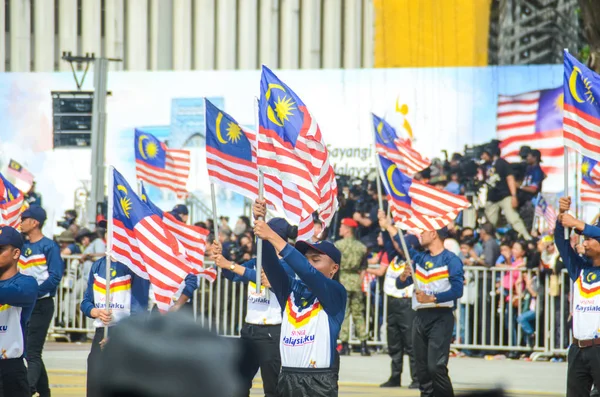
[[432, 334], [308, 382], [93, 360], [400, 319], [39, 323], [13, 378], [583, 370], [263, 342]]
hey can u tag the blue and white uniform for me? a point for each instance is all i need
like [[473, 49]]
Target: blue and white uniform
[[42, 261], [314, 307], [18, 295]]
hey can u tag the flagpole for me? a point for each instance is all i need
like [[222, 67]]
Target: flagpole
[[214, 210], [566, 175], [109, 218], [535, 217], [261, 188]]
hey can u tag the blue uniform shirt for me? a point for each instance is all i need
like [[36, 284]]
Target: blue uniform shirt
[[42, 261]]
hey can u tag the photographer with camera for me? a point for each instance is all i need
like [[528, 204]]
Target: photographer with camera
[[531, 186], [68, 222], [502, 191], [365, 214]]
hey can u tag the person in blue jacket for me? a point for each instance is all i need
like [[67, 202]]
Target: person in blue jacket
[[128, 296], [262, 327], [40, 258], [18, 295], [584, 270], [313, 305], [438, 279]]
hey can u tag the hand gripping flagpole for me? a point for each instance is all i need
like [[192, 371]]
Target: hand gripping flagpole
[[109, 242], [261, 186]]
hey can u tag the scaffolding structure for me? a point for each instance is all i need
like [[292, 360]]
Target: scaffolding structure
[[526, 32]]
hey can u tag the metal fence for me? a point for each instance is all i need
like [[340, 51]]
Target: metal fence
[[491, 316]]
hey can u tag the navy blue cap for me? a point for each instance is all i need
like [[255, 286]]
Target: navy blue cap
[[181, 209], [35, 212], [10, 236], [443, 232], [283, 228], [324, 247]]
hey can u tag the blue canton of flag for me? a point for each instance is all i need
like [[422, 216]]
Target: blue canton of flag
[[385, 134], [581, 118], [397, 185], [224, 134]]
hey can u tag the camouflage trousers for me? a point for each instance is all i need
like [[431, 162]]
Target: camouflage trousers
[[356, 308]]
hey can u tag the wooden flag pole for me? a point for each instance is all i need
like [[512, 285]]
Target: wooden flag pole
[[109, 242]]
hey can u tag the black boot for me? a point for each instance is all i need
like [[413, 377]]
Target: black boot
[[364, 349], [393, 381], [345, 349]]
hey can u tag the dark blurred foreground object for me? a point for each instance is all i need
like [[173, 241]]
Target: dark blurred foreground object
[[167, 356], [484, 393]]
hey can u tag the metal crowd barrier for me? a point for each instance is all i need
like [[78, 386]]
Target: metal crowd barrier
[[487, 317]]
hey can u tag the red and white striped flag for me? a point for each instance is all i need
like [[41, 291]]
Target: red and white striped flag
[[232, 163], [545, 211], [11, 203], [400, 151], [23, 178], [417, 206], [140, 240], [533, 119], [582, 108], [160, 166], [291, 147], [590, 181]]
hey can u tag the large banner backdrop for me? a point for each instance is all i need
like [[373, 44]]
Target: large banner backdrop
[[445, 108]]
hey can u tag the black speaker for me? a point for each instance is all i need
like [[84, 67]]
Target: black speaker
[[72, 118]]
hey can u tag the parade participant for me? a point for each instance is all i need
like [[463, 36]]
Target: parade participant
[[40, 258], [262, 327], [314, 311], [351, 275], [180, 212], [584, 353], [18, 295], [400, 315], [128, 295], [438, 283]]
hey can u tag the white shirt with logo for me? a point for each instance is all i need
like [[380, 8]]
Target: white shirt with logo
[[11, 334], [394, 271], [431, 279], [262, 308], [120, 298], [586, 305], [36, 267]]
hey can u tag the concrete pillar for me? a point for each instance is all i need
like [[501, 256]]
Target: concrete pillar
[[43, 34], [67, 30], [290, 34], [90, 27], [2, 37], [20, 36], [114, 32], [351, 52], [182, 34], [136, 33], [268, 31], [248, 35], [310, 31], [226, 34], [204, 34], [368, 47], [332, 34]]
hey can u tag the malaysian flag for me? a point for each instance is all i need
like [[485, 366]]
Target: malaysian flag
[[23, 178], [140, 240], [291, 147], [590, 181], [533, 119], [160, 166], [416, 205], [11, 203], [545, 211], [231, 163], [400, 151], [582, 109], [193, 238]]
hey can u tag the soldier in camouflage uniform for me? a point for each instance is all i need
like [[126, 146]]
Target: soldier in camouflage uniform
[[353, 254]]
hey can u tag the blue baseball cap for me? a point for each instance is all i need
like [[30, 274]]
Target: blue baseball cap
[[324, 247], [283, 228], [10, 236], [35, 212], [181, 209]]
